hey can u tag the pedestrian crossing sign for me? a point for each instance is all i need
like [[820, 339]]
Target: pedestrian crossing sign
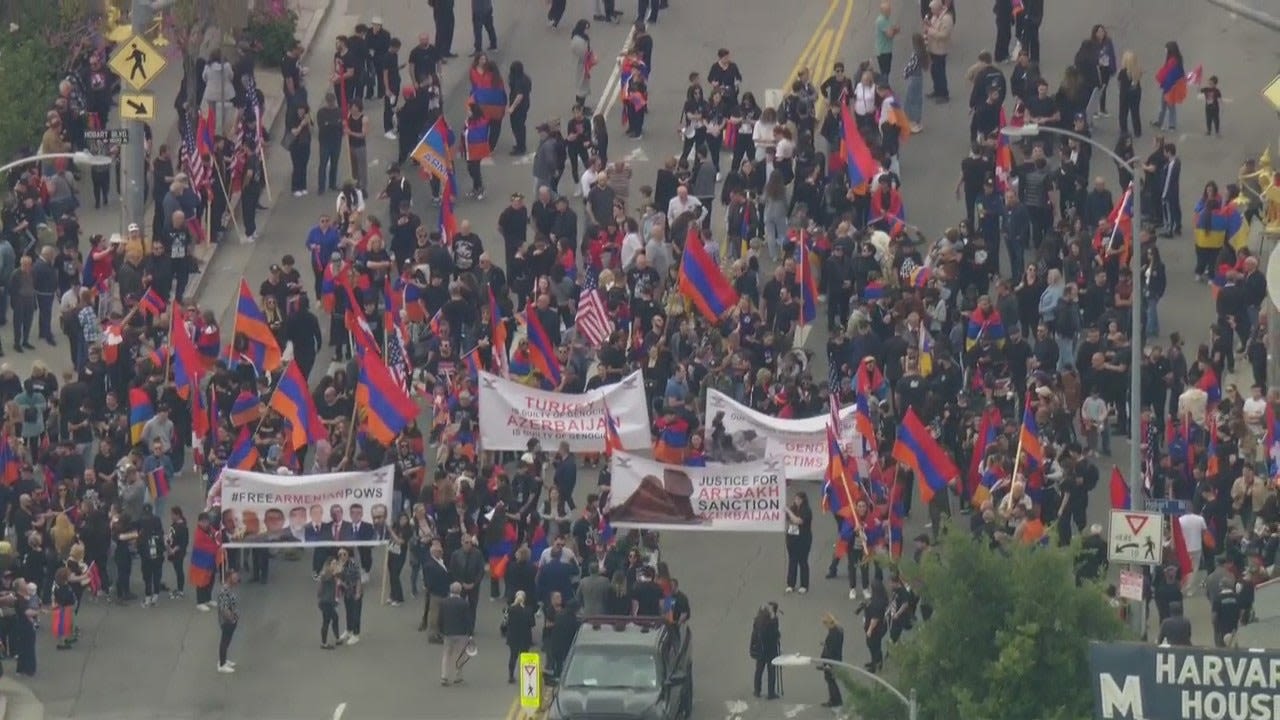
[[530, 680], [137, 62], [1135, 537]]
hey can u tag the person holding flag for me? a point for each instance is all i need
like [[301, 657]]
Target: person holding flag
[[1172, 77], [476, 146]]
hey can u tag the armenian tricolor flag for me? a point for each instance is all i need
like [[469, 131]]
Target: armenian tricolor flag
[[1173, 81], [1029, 445], [244, 454], [808, 287], [246, 409], [204, 558], [984, 324], [387, 406], [140, 411], [701, 281], [874, 290], [152, 303], [1121, 499], [434, 153], [251, 324], [10, 461], [859, 163], [477, 140], [497, 334], [612, 437], [988, 431], [917, 449], [542, 354], [292, 399], [158, 483], [488, 94]]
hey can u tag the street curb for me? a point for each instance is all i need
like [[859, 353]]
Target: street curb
[[17, 702], [1261, 17], [207, 253]]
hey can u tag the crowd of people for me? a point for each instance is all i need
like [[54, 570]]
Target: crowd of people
[[1019, 370]]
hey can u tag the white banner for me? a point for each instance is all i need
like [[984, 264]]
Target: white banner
[[802, 443], [746, 497], [349, 508], [511, 414]]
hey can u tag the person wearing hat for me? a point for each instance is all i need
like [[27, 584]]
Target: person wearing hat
[[379, 43]]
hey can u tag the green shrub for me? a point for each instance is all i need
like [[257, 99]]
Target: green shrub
[[275, 28], [28, 81]]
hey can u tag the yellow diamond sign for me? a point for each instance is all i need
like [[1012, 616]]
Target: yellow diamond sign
[[137, 62]]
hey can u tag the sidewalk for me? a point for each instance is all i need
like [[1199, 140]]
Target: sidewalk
[[17, 702], [311, 16]]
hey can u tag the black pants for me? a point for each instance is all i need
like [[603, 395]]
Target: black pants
[[179, 572], [328, 167], [151, 572], [859, 564], [938, 74], [366, 558], [1029, 36], [395, 566], [519, 131], [648, 8], [1004, 35], [1212, 120], [1104, 83], [885, 61], [101, 178], [765, 666], [699, 139], [444, 31], [388, 111], [300, 156], [833, 688], [875, 645], [354, 607], [124, 572], [224, 643], [513, 657], [328, 618], [1206, 258], [204, 593], [473, 599], [261, 564], [798, 561], [477, 178], [555, 12], [182, 276], [319, 557], [577, 154], [44, 302], [1131, 112], [484, 22]]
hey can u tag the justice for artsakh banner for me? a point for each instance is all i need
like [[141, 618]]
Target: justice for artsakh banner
[[306, 510], [512, 414], [802, 444], [745, 497]]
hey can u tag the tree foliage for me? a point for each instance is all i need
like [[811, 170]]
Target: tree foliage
[[38, 41], [1008, 637]]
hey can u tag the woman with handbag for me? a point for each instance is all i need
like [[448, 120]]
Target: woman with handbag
[[518, 627]]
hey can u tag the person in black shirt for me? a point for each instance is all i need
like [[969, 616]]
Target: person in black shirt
[[646, 595], [725, 76], [423, 60], [833, 649], [295, 90], [358, 49], [345, 78], [380, 43], [520, 91], [329, 133], [974, 171], [875, 624], [387, 70]]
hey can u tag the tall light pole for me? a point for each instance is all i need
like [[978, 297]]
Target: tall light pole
[[80, 157], [913, 707], [135, 153], [1136, 312]]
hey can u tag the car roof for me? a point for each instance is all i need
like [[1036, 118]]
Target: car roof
[[614, 631]]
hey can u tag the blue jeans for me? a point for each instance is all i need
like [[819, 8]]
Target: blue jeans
[[913, 103], [1151, 324], [1066, 351], [1171, 111]]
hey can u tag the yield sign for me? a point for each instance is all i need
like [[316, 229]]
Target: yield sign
[[530, 680], [1136, 523]]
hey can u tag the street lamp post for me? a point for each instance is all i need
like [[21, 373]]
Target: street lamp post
[[795, 660], [81, 157], [1136, 310]]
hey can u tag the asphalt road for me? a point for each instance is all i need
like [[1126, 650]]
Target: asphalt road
[[135, 663]]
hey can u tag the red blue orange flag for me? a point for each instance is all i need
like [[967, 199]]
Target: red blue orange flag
[[292, 399], [244, 454], [612, 438], [1173, 80], [860, 164], [988, 431], [542, 354], [152, 303], [476, 141], [434, 153], [488, 94], [140, 411], [808, 287], [251, 324], [189, 364], [498, 334], [702, 282], [1032, 450], [387, 405], [246, 409], [10, 461], [158, 483], [917, 449]]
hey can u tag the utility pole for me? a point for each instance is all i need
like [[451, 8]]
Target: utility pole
[[135, 152]]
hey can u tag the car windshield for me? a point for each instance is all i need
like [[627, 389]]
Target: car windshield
[[612, 667]]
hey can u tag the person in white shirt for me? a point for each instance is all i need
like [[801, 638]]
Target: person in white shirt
[[566, 552], [1255, 410], [631, 245], [1193, 529], [588, 179], [864, 102], [1093, 415], [762, 135], [682, 203]]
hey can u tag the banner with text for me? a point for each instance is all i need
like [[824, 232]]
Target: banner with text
[[1136, 681], [746, 497], [349, 508], [801, 443], [512, 414]]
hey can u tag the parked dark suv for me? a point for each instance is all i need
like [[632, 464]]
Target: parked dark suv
[[626, 668]]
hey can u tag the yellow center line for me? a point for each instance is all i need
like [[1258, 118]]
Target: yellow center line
[[513, 712], [833, 53], [809, 46]]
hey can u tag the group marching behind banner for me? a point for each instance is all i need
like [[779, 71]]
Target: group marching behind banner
[[801, 443], [327, 509], [512, 414], [744, 497]]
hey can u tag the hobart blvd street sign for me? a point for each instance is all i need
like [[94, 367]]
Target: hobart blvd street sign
[[1135, 537]]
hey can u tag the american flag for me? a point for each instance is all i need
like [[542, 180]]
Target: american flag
[[593, 321], [197, 169], [397, 355], [247, 130]]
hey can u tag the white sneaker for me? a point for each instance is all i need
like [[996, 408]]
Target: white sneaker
[[303, 191], [353, 639], [789, 589], [344, 637], [803, 590], [226, 669], [719, 177], [231, 663], [203, 607], [364, 578], [853, 593], [390, 135], [297, 193], [866, 594], [577, 193]]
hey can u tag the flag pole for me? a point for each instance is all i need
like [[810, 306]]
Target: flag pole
[[223, 184], [262, 150]]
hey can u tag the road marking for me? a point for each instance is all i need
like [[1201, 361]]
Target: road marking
[[339, 711], [833, 52], [735, 709], [637, 156], [609, 95], [794, 711], [526, 159], [810, 46]]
